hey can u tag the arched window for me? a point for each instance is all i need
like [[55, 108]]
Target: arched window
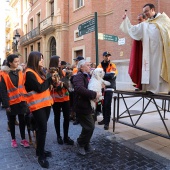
[[52, 47]]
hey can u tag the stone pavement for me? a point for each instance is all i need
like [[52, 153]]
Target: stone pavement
[[111, 152]]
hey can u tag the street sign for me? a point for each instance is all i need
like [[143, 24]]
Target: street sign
[[121, 41], [86, 27], [86, 24], [107, 37], [87, 30]]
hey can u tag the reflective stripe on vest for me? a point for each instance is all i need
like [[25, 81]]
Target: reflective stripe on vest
[[38, 100], [15, 94], [57, 97]]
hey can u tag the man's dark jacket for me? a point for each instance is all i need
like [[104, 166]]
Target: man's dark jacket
[[82, 94]]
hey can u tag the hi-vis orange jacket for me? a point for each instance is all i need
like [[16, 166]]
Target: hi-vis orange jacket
[[75, 70], [38, 100], [110, 69], [61, 95], [16, 95]]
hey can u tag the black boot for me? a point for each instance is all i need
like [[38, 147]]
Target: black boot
[[43, 162]]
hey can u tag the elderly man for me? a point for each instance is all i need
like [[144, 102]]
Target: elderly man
[[155, 35], [82, 106]]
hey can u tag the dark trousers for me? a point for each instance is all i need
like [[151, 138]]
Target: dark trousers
[[41, 117], [21, 119], [57, 106], [87, 123], [107, 106]]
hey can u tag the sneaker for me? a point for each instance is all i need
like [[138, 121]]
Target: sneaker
[[101, 122], [60, 140], [25, 143], [43, 162], [106, 127], [68, 141], [80, 149], [14, 143], [89, 148]]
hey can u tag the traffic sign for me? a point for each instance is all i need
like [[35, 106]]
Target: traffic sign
[[86, 27], [107, 37]]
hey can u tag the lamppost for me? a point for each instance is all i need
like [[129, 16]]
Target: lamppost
[[16, 40]]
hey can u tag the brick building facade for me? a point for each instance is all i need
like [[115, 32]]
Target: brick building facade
[[51, 26]]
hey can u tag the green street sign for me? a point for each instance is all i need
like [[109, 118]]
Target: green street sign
[[87, 24], [86, 31], [86, 27], [108, 37]]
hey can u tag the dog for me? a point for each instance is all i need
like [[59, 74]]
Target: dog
[[96, 82], [31, 127]]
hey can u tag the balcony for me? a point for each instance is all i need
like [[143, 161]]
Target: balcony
[[30, 37], [49, 24]]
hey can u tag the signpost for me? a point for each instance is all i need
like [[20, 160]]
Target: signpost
[[90, 26]]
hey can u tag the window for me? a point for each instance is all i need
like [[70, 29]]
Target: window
[[76, 36], [25, 54], [79, 3], [38, 46], [38, 19], [31, 47], [53, 47], [31, 24], [25, 28], [79, 53], [52, 8]]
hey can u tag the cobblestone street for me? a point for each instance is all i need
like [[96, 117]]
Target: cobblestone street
[[111, 152]]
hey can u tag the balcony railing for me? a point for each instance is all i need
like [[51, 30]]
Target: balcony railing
[[29, 36], [49, 23]]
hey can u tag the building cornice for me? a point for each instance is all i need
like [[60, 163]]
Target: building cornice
[[90, 16]]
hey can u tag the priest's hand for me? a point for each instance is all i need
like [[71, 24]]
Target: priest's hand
[[124, 16]]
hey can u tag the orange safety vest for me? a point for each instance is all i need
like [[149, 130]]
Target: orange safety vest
[[38, 100], [110, 69], [15, 94], [75, 70], [60, 96]]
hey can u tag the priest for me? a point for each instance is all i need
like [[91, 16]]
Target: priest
[[155, 36]]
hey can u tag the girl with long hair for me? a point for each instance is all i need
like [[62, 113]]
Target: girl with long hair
[[39, 101], [60, 95]]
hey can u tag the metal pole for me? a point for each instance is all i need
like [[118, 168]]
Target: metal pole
[[96, 38]]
